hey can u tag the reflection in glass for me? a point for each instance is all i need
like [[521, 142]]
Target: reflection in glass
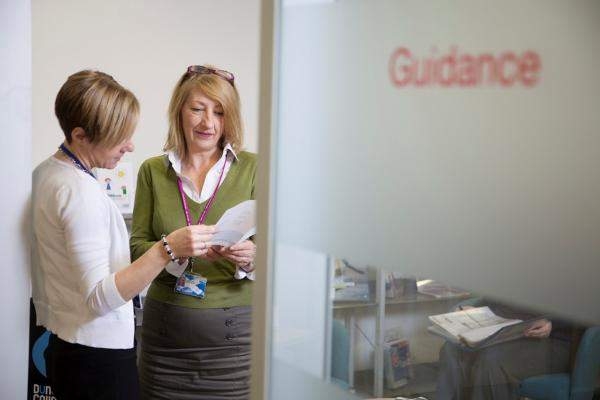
[[400, 335]]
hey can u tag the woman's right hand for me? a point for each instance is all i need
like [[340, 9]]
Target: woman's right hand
[[191, 241]]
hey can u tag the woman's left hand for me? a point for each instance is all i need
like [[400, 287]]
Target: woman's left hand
[[241, 253]]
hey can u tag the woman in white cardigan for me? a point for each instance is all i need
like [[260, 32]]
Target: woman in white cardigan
[[83, 279]]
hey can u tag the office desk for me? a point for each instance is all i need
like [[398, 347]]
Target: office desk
[[379, 304]]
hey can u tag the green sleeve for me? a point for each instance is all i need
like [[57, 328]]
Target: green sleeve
[[253, 195], [142, 236]]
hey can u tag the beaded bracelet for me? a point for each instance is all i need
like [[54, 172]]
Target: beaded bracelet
[[168, 248]]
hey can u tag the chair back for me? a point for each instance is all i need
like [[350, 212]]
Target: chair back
[[587, 365]]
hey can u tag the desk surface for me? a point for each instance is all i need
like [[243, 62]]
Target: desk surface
[[419, 298]]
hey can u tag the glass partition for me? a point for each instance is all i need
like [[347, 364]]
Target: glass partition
[[431, 158]]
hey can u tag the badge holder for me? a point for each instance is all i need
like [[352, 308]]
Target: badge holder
[[191, 283]]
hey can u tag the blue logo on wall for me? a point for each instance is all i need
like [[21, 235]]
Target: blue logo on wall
[[37, 353]]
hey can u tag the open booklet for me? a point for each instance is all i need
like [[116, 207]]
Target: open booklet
[[236, 224], [478, 327]]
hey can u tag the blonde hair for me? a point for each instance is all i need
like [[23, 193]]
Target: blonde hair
[[97, 103], [218, 90]]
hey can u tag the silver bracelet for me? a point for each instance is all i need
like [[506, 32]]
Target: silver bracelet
[[168, 248]]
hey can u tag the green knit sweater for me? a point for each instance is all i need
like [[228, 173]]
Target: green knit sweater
[[158, 210]]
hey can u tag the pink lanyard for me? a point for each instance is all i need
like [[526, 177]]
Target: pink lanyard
[[209, 203]]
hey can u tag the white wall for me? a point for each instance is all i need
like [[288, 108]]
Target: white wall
[[15, 175], [146, 45]]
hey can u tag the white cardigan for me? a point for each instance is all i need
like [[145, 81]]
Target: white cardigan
[[79, 242]]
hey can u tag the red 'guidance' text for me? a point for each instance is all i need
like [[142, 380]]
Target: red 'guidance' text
[[461, 69]]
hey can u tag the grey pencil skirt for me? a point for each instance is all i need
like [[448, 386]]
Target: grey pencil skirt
[[200, 354]]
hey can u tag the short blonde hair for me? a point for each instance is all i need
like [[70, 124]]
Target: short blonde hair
[[97, 103], [218, 90]]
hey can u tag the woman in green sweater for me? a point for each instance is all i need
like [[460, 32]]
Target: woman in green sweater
[[196, 343]]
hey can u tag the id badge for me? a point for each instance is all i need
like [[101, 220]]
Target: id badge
[[191, 284]]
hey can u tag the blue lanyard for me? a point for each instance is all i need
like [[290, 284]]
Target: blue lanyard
[[75, 160]]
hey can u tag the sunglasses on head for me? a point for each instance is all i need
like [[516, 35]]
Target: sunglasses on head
[[201, 69]]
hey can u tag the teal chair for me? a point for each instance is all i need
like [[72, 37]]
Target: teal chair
[[340, 354], [580, 384]]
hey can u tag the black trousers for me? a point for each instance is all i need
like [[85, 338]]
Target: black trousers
[[82, 372], [494, 373]]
